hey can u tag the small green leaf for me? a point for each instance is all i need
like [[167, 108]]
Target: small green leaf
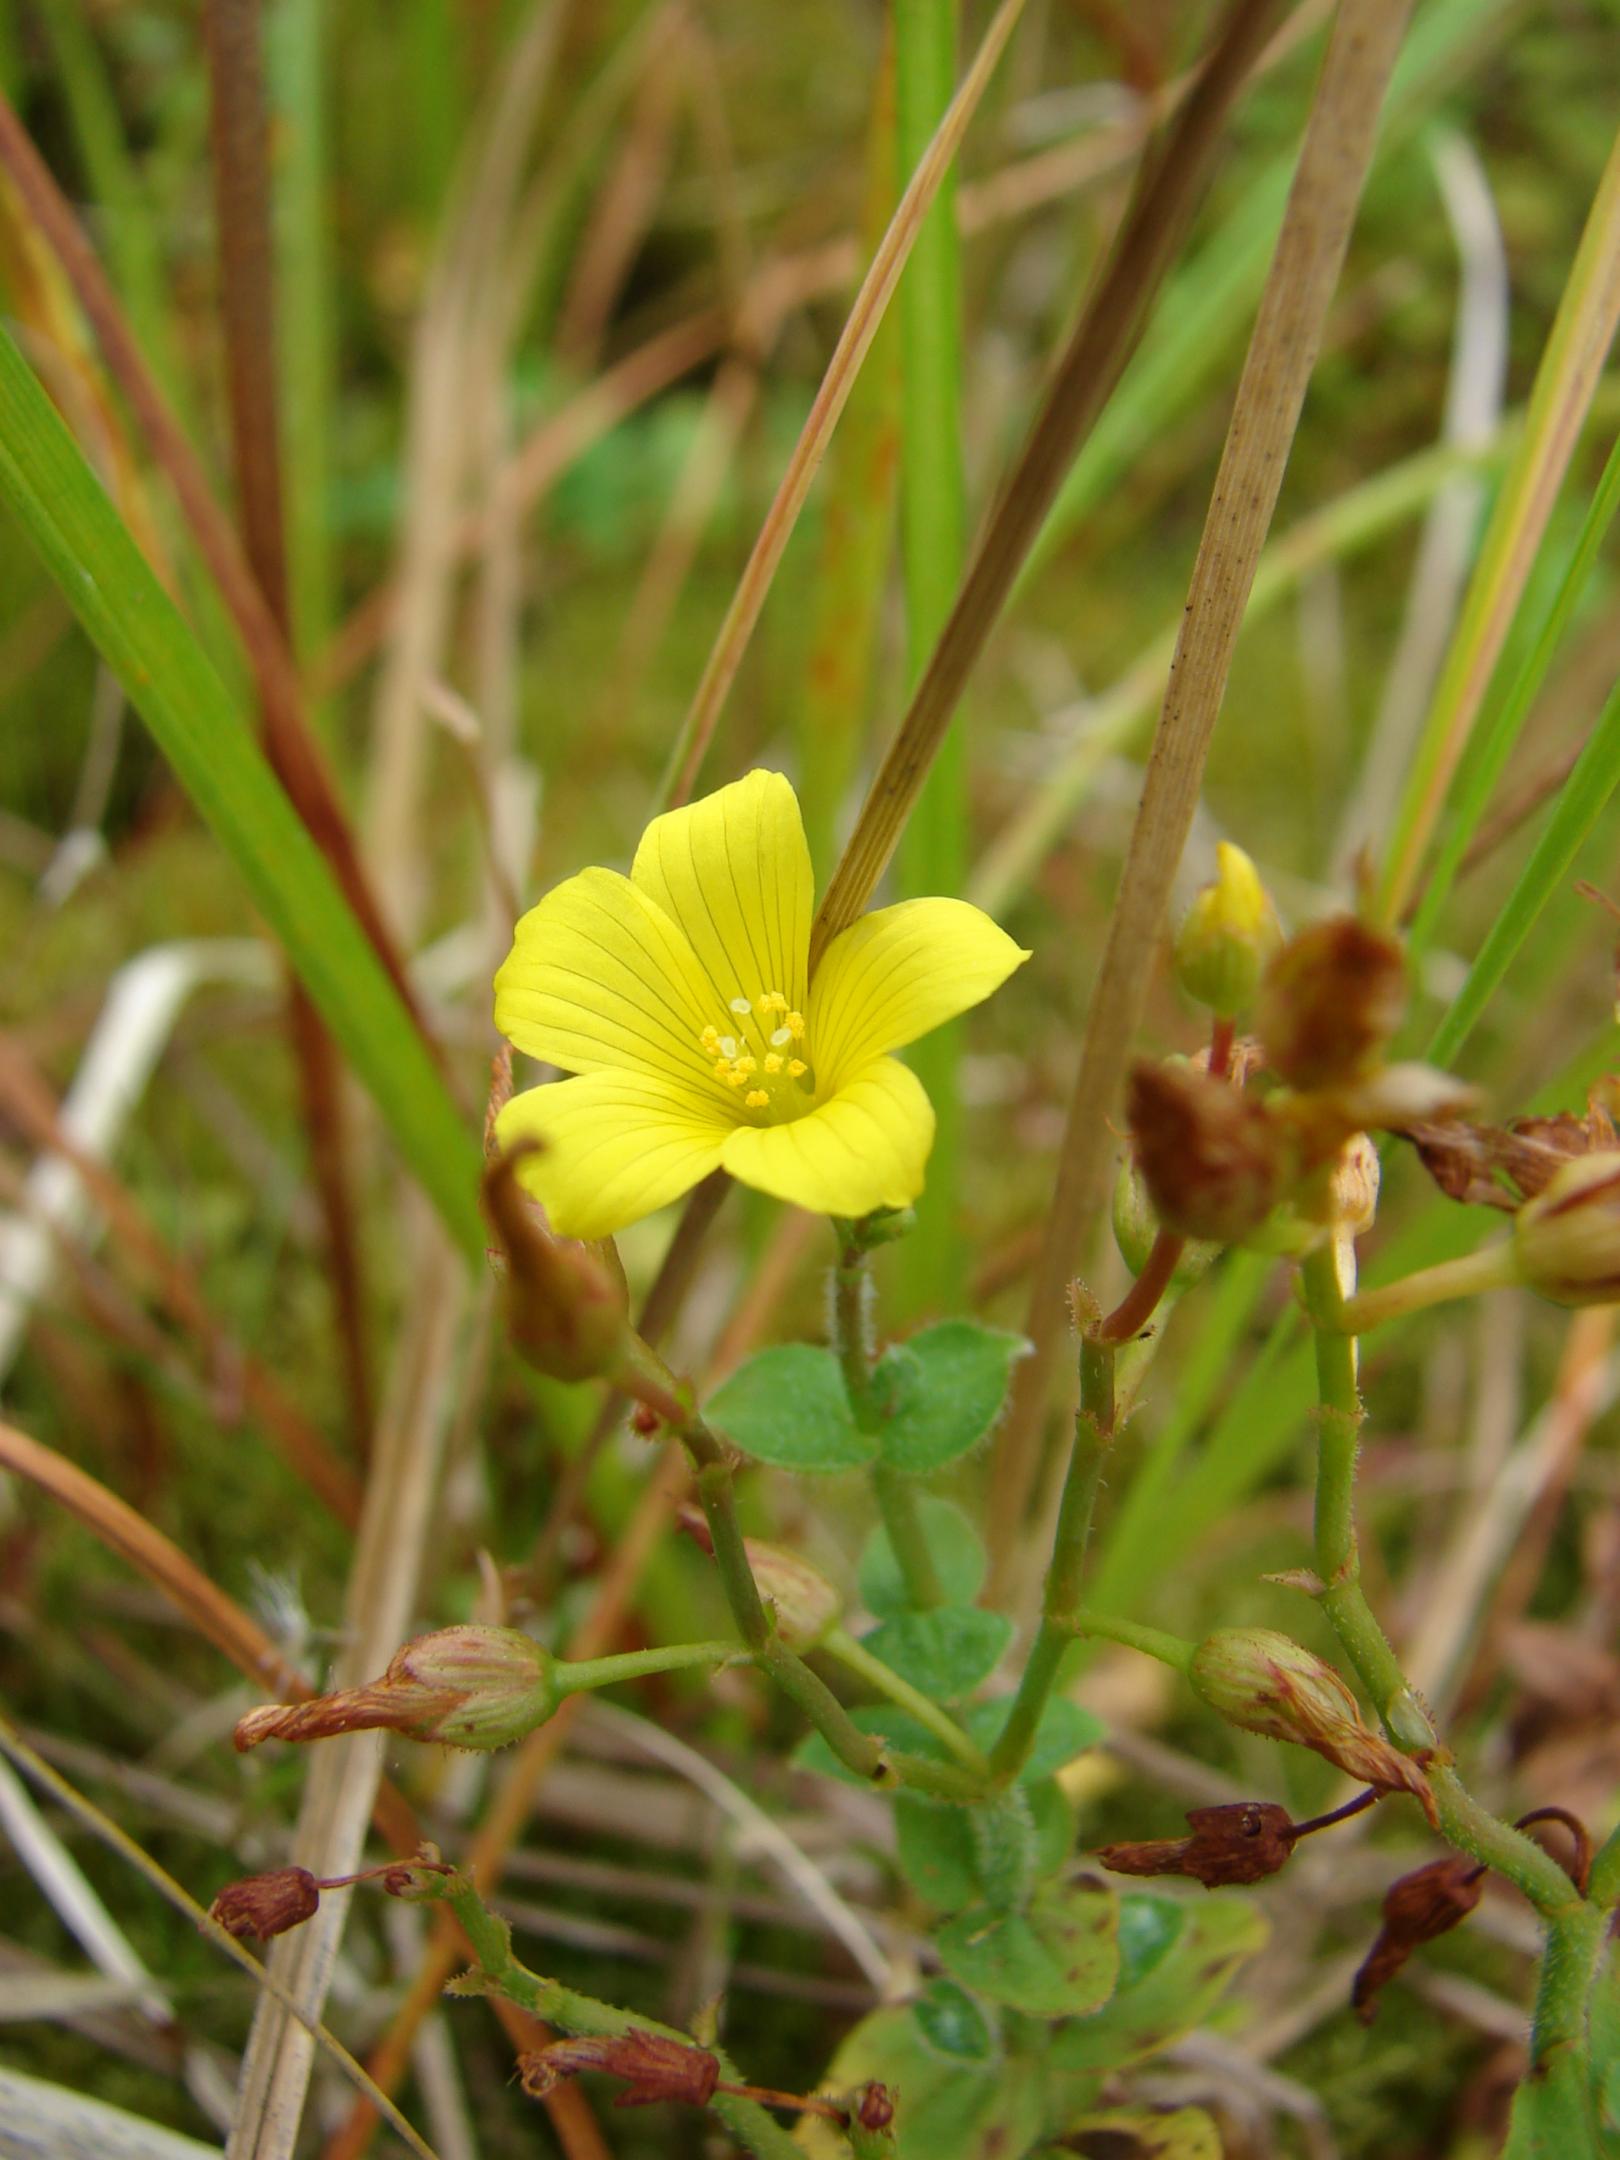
[[788, 1407], [934, 1846], [954, 2025], [942, 1392], [1057, 1959], [1166, 1987], [958, 1561], [1053, 1814], [1064, 1732], [944, 1653], [946, 2110], [1142, 2133]]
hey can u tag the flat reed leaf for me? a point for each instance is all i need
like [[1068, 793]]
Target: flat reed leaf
[[46, 483]]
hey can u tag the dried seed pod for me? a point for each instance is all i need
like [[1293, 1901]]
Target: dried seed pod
[[654, 2067], [1215, 1163], [1242, 1842], [1330, 1001], [1567, 1238], [1430, 1901], [268, 1904]]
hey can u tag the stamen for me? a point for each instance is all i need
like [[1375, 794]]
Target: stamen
[[756, 1099], [795, 1025], [797, 1068], [773, 1064], [773, 1002], [741, 1007], [780, 1036], [747, 1064]]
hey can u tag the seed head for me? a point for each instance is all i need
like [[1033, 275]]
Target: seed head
[[1227, 936], [469, 1687]]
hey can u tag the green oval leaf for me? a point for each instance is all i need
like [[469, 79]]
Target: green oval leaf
[[1168, 1994], [944, 2110], [1065, 1731], [942, 1392], [1059, 1958], [954, 2025], [934, 1847], [958, 1555], [787, 1406], [1142, 2133], [944, 1653]]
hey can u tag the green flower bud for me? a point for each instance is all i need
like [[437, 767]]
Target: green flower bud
[[468, 1687], [1266, 1683], [805, 1604], [1567, 1238], [1227, 936]]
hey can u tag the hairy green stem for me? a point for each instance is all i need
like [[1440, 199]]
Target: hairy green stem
[[571, 2012], [1491, 1267], [603, 1672], [1469, 1826], [1060, 1601], [896, 1494], [1154, 1642], [855, 1658]]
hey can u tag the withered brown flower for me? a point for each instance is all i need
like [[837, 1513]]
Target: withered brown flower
[[1429, 1902], [654, 2068], [1242, 1842]]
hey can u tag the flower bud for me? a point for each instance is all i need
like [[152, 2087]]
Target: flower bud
[[1136, 1227], [1329, 1002], [564, 1312], [1227, 936], [270, 1904], [1242, 1842], [1213, 1161], [468, 1687], [806, 1606], [1567, 1237], [1268, 1684]]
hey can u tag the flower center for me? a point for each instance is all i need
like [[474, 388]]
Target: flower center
[[759, 1053]]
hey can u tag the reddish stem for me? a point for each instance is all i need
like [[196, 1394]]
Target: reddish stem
[[1135, 1309], [1338, 1815]]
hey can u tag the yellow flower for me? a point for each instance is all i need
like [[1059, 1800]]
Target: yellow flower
[[680, 998]]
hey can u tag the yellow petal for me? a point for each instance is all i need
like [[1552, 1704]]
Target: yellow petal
[[617, 1146], [599, 979], [733, 872], [866, 1147], [899, 972]]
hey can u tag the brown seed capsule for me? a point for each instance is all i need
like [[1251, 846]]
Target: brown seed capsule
[[1417, 1907], [468, 1687], [1214, 1162], [1329, 1002], [564, 1312], [1268, 1684], [654, 2067], [874, 2106], [1243, 1842], [269, 1904]]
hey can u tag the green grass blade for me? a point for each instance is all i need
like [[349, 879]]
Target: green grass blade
[[933, 548], [140, 634], [1579, 804], [1500, 730]]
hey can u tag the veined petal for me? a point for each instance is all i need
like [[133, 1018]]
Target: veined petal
[[899, 972], [733, 872], [616, 1146], [599, 979], [866, 1147]]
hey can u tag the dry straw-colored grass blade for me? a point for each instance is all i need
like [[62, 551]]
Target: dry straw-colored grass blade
[[1334, 158]]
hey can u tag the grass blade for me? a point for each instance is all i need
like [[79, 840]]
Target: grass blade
[[138, 631]]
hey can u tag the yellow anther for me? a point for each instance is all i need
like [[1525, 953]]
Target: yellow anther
[[773, 1064], [710, 1039], [795, 1025], [797, 1068], [772, 1002], [756, 1099], [722, 1069], [746, 1064]]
